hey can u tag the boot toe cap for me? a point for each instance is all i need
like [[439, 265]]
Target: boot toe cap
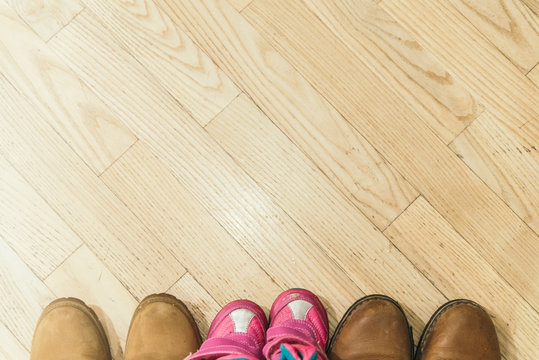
[[461, 329], [69, 329], [374, 327]]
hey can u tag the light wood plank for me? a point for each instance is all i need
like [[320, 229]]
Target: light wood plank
[[487, 72], [264, 230], [394, 55], [239, 4], [531, 130], [46, 17], [165, 206], [198, 300], [27, 223], [400, 136], [318, 207], [507, 160], [10, 347], [533, 125], [533, 75], [89, 127], [459, 271], [169, 54], [22, 296], [85, 277], [533, 5], [306, 117], [509, 24], [105, 224]]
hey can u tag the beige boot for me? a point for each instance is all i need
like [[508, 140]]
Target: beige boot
[[162, 328], [69, 330]]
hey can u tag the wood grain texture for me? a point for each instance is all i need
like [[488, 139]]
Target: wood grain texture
[[28, 224], [165, 206], [10, 347], [22, 296], [533, 75], [509, 24], [89, 127], [109, 229], [300, 189], [394, 55], [487, 72], [198, 300], [507, 160], [46, 17], [531, 130], [300, 112], [239, 4], [115, 183], [85, 277], [169, 54], [533, 5], [264, 230], [459, 271], [401, 137]]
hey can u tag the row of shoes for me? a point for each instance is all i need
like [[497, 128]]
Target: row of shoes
[[375, 327]]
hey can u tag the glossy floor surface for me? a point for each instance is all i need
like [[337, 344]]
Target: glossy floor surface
[[222, 149]]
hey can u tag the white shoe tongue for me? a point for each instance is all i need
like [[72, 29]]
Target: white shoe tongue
[[299, 309], [241, 319]]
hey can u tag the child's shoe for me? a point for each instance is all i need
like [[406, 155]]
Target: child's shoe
[[237, 332], [298, 327]]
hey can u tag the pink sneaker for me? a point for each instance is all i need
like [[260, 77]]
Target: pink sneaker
[[237, 332], [298, 327]]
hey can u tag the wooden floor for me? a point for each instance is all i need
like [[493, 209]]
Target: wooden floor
[[221, 149]]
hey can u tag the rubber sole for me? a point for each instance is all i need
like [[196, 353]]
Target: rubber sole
[[354, 306], [80, 305]]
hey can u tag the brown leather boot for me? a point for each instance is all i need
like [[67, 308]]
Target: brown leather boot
[[375, 327], [459, 330], [69, 330], [162, 328]]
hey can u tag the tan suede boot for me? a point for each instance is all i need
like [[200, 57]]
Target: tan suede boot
[[459, 330], [375, 327], [162, 328], [69, 330]]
